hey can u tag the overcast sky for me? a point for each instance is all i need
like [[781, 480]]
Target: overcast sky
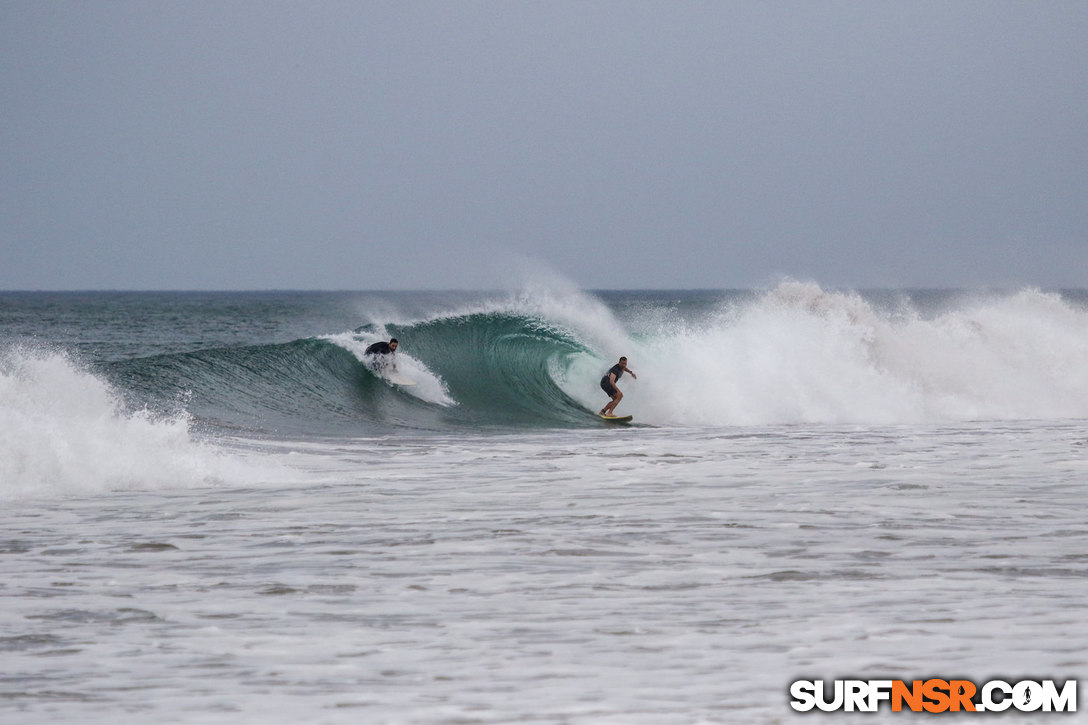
[[406, 145]]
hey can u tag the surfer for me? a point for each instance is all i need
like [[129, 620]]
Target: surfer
[[382, 347], [379, 350], [608, 385]]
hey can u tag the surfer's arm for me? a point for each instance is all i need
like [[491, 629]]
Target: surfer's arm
[[630, 372]]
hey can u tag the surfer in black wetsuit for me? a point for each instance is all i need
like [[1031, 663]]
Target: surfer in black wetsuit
[[608, 385], [378, 352], [382, 348]]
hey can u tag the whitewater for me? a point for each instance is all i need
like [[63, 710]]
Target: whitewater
[[214, 509]]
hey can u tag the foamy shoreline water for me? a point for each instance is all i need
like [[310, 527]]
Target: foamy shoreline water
[[651, 576]]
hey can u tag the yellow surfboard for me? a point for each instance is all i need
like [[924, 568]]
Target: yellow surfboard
[[616, 418]]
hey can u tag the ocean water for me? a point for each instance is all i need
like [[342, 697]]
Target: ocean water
[[212, 509]]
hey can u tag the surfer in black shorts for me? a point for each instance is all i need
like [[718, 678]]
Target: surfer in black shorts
[[608, 385], [382, 348]]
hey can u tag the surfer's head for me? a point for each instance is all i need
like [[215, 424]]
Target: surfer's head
[[623, 360], [393, 344]]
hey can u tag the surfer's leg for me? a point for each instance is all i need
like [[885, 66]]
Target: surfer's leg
[[612, 392]]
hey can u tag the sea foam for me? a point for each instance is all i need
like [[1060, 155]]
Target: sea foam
[[799, 354], [64, 430]]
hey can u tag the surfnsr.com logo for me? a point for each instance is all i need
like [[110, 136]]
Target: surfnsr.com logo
[[934, 696]]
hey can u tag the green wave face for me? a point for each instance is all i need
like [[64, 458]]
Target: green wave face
[[500, 369], [482, 370]]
